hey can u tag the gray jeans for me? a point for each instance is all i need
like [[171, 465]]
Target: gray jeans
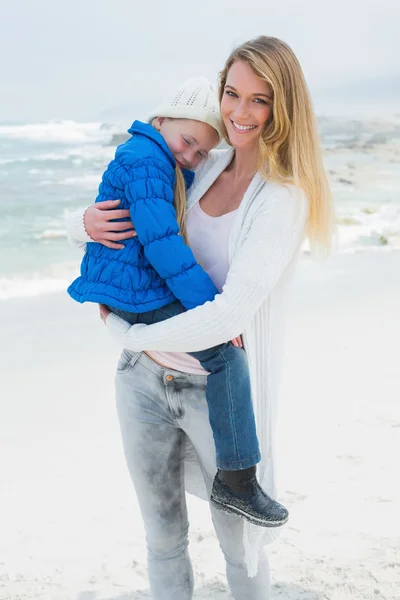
[[157, 409]]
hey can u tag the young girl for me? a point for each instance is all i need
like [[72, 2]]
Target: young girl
[[156, 276]]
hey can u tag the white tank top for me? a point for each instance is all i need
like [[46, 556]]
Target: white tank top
[[208, 238]]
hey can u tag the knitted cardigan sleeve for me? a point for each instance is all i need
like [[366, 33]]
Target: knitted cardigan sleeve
[[273, 237], [76, 231]]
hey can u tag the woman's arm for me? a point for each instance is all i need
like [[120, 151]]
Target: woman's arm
[[273, 238], [76, 231], [96, 224]]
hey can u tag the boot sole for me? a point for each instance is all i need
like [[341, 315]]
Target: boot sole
[[230, 509]]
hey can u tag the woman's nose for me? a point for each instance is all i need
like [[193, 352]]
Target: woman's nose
[[241, 111]]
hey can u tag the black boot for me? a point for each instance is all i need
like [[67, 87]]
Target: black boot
[[240, 493]]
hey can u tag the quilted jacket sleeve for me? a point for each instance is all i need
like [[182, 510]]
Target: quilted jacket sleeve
[[149, 191]]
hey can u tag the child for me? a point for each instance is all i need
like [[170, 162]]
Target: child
[[155, 276]]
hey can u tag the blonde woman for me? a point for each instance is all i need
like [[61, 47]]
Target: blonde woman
[[156, 276], [249, 209]]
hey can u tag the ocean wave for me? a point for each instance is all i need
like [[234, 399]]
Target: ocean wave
[[87, 182], [59, 131], [55, 278], [76, 156], [51, 234]]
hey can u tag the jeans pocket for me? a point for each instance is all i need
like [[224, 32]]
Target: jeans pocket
[[126, 361]]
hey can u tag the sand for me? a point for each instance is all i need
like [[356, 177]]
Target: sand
[[69, 523]]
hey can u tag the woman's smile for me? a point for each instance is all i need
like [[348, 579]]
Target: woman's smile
[[242, 128]]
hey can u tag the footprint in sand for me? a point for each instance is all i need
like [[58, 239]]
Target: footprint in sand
[[295, 497]]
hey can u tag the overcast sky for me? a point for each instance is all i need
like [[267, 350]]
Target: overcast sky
[[89, 59]]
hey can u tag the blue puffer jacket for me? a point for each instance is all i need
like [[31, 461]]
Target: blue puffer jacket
[[156, 267]]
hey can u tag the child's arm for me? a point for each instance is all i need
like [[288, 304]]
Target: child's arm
[[149, 191]]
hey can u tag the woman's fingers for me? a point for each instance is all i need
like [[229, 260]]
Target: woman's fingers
[[104, 312], [108, 204], [115, 214], [113, 245], [120, 225], [111, 235]]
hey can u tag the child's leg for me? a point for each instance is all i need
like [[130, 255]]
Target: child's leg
[[130, 317], [230, 406], [153, 316], [228, 393]]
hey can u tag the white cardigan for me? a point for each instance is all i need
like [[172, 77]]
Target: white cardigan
[[264, 245]]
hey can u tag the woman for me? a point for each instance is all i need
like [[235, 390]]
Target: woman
[[249, 209]]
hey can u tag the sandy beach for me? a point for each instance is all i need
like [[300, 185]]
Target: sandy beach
[[69, 523]]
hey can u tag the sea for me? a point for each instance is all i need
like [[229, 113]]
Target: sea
[[52, 168]]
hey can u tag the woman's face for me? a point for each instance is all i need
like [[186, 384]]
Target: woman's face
[[246, 105]]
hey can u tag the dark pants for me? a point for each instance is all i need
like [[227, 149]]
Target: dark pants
[[228, 394]]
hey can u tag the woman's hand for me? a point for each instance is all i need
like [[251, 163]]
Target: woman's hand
[[99, 224], [238, 342], [104, 312]]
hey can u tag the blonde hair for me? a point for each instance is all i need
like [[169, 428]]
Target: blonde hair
[[289, 148], [180, 201], [179, 193]]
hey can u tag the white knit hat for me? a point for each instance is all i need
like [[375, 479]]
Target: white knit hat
[[195, 99]]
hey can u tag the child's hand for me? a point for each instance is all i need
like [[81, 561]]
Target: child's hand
[[104, 312], [238, 342]]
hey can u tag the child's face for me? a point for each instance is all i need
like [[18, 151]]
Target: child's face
[[189, 141]]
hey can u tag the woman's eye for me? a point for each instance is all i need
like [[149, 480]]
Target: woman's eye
[[230, 93], [261, 101]]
